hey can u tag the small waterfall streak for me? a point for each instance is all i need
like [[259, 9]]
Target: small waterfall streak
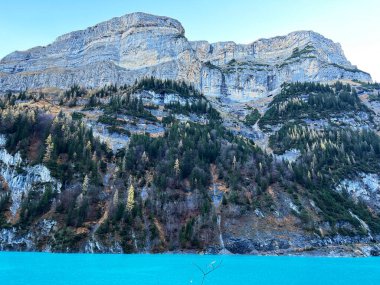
[[134, 240], [219, 219]]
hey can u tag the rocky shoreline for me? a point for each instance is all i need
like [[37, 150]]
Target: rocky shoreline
[[338, 246]]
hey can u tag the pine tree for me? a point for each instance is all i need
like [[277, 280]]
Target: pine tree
[[93, 158], [88, 146], [85, 185], [176, 167], [116, 198], [49, 149], [144, 157], [123, 164], [131, 198]]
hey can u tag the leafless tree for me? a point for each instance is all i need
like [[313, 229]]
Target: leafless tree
[[210, 268]]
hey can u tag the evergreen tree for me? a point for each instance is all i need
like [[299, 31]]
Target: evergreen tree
[[85, 185], [131, 198], [49, 149], [116, 198], [176, 167], [144, 157]]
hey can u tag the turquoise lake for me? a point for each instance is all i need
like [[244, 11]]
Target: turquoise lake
[[105, 269]]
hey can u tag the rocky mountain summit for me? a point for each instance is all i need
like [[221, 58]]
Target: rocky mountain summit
[[128, 48]]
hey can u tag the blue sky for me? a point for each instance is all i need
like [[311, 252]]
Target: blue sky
[[355, 24]]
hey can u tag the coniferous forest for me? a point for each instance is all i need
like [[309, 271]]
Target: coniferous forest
[[164, 190]]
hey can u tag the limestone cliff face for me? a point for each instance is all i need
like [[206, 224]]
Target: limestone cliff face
[[247, 71], [117, 51], [137, 45]]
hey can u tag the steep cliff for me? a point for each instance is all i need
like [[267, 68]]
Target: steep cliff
[[138, 45], [247, 71], [116, 51]]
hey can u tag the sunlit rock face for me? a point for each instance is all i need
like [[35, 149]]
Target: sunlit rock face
[[22, 178], [116, 51], [244, 72], [138, 45], [365, 187]]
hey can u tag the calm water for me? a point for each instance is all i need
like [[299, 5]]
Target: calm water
[[68, 269]]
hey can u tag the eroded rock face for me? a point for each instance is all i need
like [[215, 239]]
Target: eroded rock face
[[365, 187], [137, 45], [117, 51], [247, 71], [22, 178]]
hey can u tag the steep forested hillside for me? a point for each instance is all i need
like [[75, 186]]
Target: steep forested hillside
[[153, 167]]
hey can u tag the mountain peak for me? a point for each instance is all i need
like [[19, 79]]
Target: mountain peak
[[126, 24], [128, 48]]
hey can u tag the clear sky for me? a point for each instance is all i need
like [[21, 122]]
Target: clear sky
[[353, 23]]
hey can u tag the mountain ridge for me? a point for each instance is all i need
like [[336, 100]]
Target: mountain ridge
[[131, 47]]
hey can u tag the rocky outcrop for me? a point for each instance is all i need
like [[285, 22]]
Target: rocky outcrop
[[247, 71], [304, 245], [21, 178], [364, 187], [137, 45], [117, 51]]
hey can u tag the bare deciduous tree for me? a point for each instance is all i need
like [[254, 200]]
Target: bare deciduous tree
[[210, 268]]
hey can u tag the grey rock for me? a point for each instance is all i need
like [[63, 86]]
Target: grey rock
[[363, 187], [375, 251], [35, 177], [138, 45]]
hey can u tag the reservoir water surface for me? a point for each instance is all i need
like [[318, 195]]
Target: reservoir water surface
[[173, 269]]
